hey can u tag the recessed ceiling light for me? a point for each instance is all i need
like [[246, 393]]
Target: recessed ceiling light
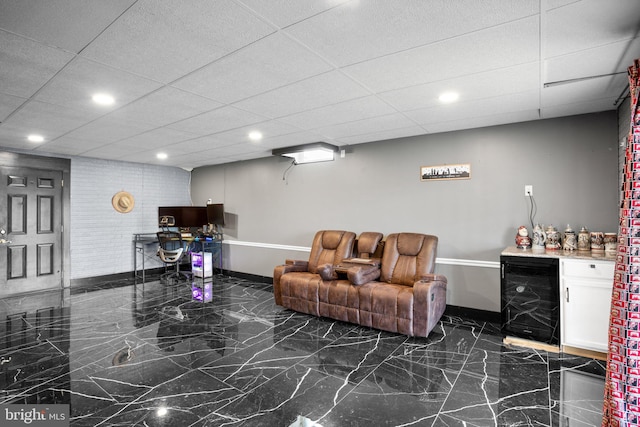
[[448, 97], [255, 135], [162, 156], [35, 138], [103, 99]]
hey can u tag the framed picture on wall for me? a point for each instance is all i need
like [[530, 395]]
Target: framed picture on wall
[[439, 172]]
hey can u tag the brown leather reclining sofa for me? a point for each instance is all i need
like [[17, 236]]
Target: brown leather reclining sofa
[[398, 292]]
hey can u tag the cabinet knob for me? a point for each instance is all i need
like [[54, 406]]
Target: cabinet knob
[[592, 265]]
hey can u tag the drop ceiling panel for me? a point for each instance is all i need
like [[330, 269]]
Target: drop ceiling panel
[[475, 108], [158, 138], [233, 150], [589, 23], [42, 20], [218, 120], [283, 13], [343, 34], [48, 120], [8, 103], [164, 40], [366, 126], [383, 135], [484, 121], [492, 49], [319, 91], [165, 106], [76, 83], [601, 60], [67, 145], [348, 111], [517, 79], [291, 139], [14, 137], [27, 65], [267, 64], [268, 129], [195, 146], [108, 129], [111, 152]]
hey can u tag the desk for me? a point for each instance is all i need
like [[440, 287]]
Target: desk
[[141, 241]]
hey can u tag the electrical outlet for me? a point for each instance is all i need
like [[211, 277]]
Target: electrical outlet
[[528, 190]]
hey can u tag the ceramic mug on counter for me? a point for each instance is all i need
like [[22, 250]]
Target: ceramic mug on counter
[[597, 241], [610, 242]]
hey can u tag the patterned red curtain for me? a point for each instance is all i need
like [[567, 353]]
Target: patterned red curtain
[[622, 387]]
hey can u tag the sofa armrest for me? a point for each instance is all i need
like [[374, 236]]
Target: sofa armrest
[[288, 267], [298, 263], [429, 303], [432, 278], [361, 274]]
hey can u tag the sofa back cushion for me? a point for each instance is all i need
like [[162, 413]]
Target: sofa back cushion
[[408, 256], [330, 247]]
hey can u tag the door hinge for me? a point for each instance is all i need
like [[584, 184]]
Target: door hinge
[[62, 183], [567, 294]]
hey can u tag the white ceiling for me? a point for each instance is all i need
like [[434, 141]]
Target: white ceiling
[[191, 78]]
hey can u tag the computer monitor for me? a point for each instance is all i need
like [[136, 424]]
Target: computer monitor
[[215, 214], [182, 216]]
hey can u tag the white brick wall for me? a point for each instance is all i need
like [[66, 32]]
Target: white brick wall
[[101, 238]]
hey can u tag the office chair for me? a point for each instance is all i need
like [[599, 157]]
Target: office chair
[[171, 251]]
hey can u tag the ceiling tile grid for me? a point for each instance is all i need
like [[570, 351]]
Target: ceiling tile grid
[[192, 78]]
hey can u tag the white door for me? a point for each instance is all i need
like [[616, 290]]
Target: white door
[[31, 227]]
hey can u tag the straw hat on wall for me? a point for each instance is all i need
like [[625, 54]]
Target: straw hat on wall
[[123, 202]]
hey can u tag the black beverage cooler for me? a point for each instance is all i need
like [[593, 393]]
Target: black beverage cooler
[[529, 298]]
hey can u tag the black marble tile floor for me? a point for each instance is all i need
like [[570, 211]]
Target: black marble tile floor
[[153, 354]]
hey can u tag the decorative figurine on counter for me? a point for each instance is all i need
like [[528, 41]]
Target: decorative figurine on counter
[[570, 242], [584, 240], [523, 241], [553, 239], [539, 237]]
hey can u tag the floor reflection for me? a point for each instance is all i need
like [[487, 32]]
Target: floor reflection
[[222, 353]]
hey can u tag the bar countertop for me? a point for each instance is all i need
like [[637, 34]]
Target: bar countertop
[[560, 254]]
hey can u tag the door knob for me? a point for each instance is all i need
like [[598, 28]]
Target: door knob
[[3, 233]]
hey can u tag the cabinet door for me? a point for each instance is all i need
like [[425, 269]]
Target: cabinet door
[[586, 308]]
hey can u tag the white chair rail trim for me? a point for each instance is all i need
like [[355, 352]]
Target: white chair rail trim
[[443, 261]]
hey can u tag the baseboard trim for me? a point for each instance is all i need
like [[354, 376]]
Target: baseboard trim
[[251, 277], [472, 313]]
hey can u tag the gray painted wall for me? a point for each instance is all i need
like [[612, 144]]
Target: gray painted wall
[[571, 163]]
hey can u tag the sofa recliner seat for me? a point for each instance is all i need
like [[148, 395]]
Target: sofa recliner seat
[[399, 293]]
